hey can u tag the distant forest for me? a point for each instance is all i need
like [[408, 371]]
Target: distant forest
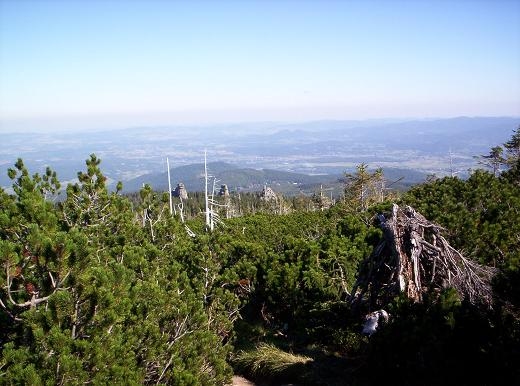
[[101, 287]]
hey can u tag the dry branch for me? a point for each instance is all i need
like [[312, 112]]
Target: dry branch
[[414, 258]]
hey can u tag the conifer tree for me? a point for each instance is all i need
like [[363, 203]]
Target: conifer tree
[[493, 160], [364, 188], [513, 148], [119, 308]]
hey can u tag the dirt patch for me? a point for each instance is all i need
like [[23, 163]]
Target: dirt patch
[[240, 381]]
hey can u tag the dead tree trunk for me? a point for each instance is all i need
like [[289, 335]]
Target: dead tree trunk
[[414, 258]]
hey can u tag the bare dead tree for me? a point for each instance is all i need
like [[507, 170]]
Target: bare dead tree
[[212, 216], [181, 213], [414, 258], [206, 199], [172, 208]]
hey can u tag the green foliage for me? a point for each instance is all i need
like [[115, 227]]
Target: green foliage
[[481, 214], [513, 148], [105, 288], [236, 204], [363, 188], [493, 160], [116, 306]]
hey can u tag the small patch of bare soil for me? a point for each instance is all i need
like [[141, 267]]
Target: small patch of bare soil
[[240, 381]]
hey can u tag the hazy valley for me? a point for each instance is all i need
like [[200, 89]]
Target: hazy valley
[[292, 157]]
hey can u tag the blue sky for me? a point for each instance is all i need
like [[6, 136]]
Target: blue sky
[[114, 63]]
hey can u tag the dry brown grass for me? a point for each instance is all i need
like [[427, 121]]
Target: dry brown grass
[[269, 361]]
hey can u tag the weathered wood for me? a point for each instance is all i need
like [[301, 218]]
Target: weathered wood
[[413, 258]]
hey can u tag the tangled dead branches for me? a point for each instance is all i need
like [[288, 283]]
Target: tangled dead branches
[[414, 258]]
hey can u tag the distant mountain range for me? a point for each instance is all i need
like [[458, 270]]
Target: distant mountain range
[[252, 180], [296, 155]]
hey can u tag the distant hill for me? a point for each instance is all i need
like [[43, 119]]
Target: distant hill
[[191, 175], [252, 180], [244, 179]]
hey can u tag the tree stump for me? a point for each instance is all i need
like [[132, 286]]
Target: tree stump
[[413, 258]]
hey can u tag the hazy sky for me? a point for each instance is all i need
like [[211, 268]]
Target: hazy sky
[[111, 63]]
